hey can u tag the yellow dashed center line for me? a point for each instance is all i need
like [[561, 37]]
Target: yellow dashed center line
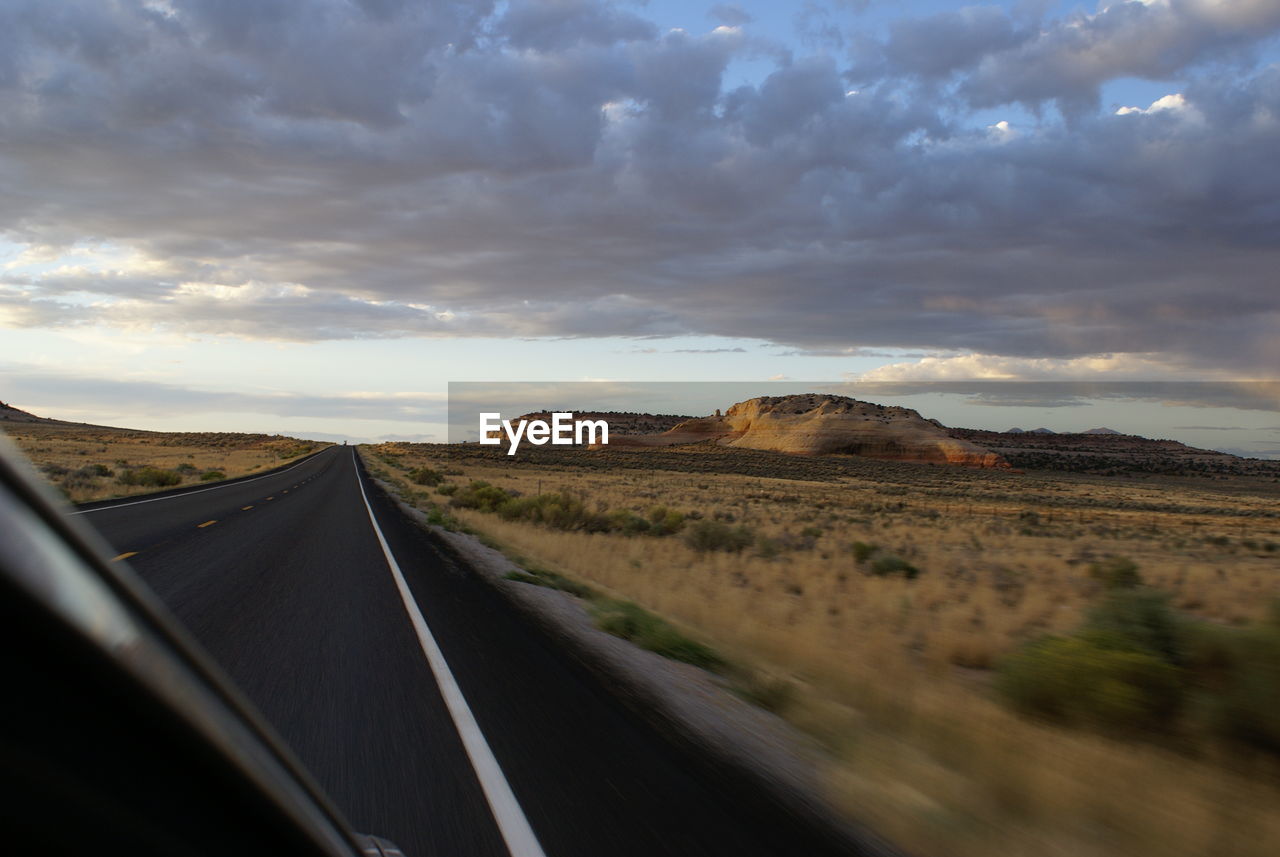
[[285, 491], [124, 555], [245, 508], [271, 498], [206, 524]]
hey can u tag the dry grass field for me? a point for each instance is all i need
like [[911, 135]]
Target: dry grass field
[[95, 462], [873, 604]]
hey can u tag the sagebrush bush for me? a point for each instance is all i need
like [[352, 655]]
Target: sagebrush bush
[[211, 475], [628, 523], [862, 551], [480, 495], [766, 547], [1136, 664], [441, 518], [153, 477], [664, 521], [426, 476], [1116, 572], [560, 511], [1138, 620], [1237, 674], [1075, 681], [704, 536], [78, 479], [887, 564]]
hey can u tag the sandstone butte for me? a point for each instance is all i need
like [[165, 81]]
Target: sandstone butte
[[819, 424]]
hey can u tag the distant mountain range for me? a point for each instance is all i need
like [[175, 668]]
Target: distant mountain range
[[1051, 431]]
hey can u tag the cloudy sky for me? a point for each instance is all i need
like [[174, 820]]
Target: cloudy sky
[[309, 215]]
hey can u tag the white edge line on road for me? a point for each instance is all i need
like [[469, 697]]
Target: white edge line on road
[[187, 493], [515, 829]]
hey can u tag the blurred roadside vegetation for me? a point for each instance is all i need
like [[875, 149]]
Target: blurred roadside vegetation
[[994, 663]]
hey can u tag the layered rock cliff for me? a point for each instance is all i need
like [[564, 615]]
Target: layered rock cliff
[[820, 424]]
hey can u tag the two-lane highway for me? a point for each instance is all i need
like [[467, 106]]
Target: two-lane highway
[[429, 709]]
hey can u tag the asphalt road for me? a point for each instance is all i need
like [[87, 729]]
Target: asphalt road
[[286, 583]]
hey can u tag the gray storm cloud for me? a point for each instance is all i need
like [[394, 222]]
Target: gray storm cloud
[[330, 169]]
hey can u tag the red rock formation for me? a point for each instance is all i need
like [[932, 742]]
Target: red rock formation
[[818, 424]]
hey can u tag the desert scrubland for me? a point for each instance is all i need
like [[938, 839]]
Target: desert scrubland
[[87, 463], [995, 662]]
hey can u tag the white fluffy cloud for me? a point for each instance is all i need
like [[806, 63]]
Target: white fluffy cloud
[[994, 367]]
